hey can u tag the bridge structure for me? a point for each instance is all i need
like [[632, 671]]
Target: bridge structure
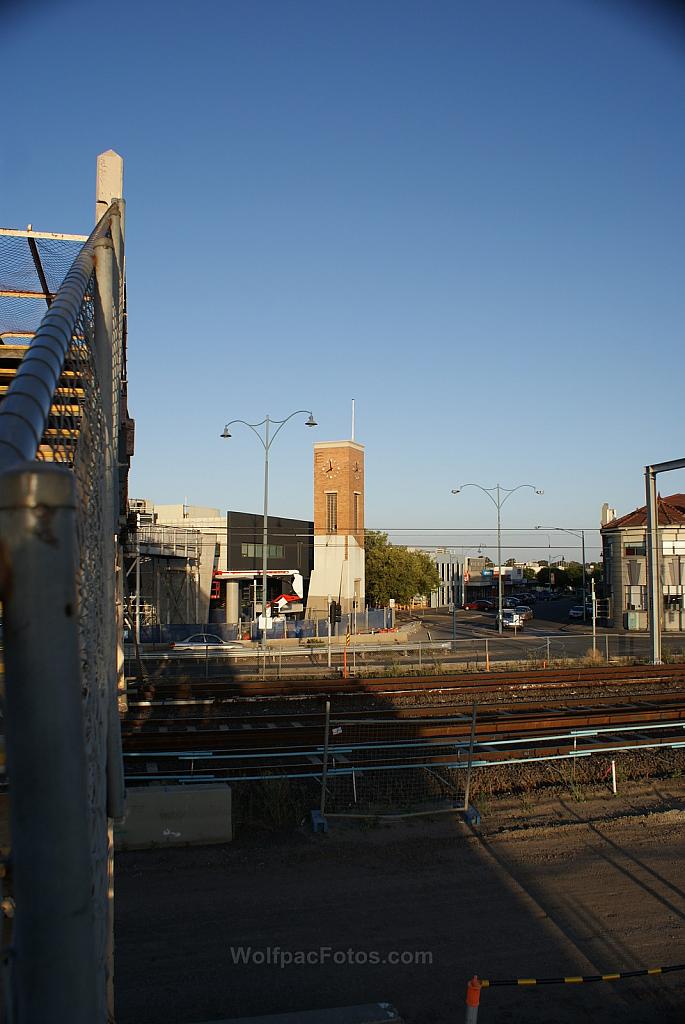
[[65, 445]]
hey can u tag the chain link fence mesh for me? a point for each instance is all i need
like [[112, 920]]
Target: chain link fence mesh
[[75, 437], [396, 766]]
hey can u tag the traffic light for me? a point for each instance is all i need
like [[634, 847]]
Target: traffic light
[[335, 612]]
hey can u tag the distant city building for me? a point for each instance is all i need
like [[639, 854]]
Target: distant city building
[[470, 579], [235, 548]]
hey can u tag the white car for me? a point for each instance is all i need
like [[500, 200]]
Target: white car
[[576, 612], [206, 642], [511, 619]]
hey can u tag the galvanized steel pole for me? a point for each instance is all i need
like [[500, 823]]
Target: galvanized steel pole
[[653, 595], [499, 563], [655, 598], [265, 530], [54, 970], [324, 767]]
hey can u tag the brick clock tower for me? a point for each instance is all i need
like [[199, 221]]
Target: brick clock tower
[[338, 571]]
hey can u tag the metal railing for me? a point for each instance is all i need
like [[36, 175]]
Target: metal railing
[[439, 656], [168, 540], [59, 509]]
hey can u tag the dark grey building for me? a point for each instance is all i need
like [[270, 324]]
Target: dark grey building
[[237, 588]]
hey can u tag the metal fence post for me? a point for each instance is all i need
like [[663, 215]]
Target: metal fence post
[[324, 770], [606, 645], [547, 640], [106, 301], [472, 740], [54, 972]]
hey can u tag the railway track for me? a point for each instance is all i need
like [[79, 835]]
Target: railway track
[[188, 735], [188, 691], [270, 734]]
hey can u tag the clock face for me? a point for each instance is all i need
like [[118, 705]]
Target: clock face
[[330, 468]]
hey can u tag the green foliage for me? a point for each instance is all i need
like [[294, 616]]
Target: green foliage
[[560, 576], [529, 574], [394, 571], [574, 572]]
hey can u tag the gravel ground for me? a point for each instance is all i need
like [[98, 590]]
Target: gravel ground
[[546, 886]]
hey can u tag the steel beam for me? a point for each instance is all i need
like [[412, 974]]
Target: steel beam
[[654, 590]]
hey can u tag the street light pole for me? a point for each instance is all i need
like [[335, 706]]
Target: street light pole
[[498, 502], [581, 537], [266, 441], [265, 528]]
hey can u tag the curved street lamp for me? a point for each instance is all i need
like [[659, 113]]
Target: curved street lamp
[[266, 442], [498, 502], [581, 537]]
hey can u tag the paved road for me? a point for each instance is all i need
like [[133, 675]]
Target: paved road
[[550, 617]]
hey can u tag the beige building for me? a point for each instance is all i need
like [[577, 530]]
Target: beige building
[[338, 573], [624, 543]]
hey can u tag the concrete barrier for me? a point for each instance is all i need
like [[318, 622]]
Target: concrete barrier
[[175, 816]]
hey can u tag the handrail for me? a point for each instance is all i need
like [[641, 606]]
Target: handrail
[[25, 410]]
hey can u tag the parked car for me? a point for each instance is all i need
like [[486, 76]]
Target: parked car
[[524, 611], [206, 642], [480, 606], [510, 602], [511, 619], [576, 612]]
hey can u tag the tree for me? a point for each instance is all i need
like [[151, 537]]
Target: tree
[[560, 577], [394, 571], [529, 574]]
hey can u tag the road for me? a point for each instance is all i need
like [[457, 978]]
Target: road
[[549, 637]]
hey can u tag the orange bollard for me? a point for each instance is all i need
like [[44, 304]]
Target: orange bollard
[[472, 1000]]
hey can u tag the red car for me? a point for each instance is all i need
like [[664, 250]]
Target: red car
[[480, 606]]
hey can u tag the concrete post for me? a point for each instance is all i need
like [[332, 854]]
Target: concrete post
[[109, 182], [54, 971]]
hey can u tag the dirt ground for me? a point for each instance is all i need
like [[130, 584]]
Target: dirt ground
[[545, 887]]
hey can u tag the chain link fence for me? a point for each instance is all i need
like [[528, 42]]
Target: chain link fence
[[59, 430], [396, 767]]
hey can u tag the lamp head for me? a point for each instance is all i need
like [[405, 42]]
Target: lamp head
[[539, 492], [225, 433], [455, 490], [311, 422]]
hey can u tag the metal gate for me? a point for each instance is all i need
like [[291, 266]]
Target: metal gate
[[392, 766]]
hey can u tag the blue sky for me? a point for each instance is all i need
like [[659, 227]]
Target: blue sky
[[466, 216]]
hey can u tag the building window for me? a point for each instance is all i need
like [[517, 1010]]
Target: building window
[[331, 511], [357, 496], [636, 548], [636, 599], [255, 550]]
